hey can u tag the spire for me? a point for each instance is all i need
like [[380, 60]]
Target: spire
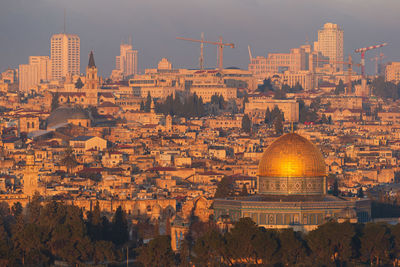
[[91, 60]]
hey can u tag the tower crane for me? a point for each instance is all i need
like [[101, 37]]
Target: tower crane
[[350, 64], [221, 45], [362, 51], [250, 56], [378, 62]]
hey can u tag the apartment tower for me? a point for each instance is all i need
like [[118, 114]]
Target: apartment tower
[[30, 75], [65, 55], [330, 44], [127, 61]]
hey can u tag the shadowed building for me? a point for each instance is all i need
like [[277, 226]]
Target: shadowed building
[[292, 191]]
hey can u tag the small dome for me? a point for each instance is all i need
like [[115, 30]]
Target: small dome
[[291, 155], [65, 113]]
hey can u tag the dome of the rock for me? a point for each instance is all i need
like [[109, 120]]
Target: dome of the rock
[[292, 165]]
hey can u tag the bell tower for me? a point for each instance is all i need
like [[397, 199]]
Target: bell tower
[[92, 82]]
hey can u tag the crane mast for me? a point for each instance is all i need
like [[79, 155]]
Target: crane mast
[[362, 51], [220, 44]]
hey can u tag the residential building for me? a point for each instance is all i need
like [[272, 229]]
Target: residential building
[[127, 61], [330, 44], [392, 72], [38, 70], [65, 55]]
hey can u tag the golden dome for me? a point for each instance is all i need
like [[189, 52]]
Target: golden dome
[[292, 155]]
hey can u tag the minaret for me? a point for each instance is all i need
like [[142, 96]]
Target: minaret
[[92, 82]]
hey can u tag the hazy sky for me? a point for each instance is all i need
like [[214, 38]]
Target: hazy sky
[[266, 25]]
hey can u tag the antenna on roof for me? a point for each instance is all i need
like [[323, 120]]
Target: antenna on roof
[[65, 11], [130, 40]]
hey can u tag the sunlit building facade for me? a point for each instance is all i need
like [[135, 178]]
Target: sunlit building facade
[[330, 44], [65, 55]]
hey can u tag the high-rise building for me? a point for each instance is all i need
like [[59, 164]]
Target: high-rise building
[[65, 55], [127, 61], [392, 72], [330, 44], [38, 70]]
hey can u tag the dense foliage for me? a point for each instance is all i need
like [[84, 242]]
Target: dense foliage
[[384, 89], [42, 234], [191, 106], [332, 244]]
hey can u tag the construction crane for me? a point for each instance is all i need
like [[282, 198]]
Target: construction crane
[[350, 64], [220, 45], [362, 51], [378, 62], [201, 59], [250, 56]]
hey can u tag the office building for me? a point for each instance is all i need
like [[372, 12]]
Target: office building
[[330, 44]]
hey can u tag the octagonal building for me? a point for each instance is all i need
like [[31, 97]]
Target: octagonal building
[[292, 191]]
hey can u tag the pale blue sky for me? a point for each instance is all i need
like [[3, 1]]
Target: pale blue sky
[[266, 25]]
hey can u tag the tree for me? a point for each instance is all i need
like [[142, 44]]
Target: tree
[[16, 209], [69, 159], [266, 86], [332, 242], [335, 189], [142, 106], [268, 116], [340, 88], [266, 246], [306, 113], [224, 188], [246, 124], [5, 246], [158, 252], [244, 191], [384, 89], [119, 227], [292, 247], [375, 244], [360, 192], [280, 94], [278, 124], [54, 101], [210, 249], [79, 84], [94, 225], [240, 240], [147, 105]]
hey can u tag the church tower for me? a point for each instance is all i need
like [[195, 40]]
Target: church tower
[[92, 82]]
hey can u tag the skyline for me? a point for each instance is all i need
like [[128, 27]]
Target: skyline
[[159, 23]]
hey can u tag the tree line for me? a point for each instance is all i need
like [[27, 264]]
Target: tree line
[[246, 244], [40, 234], [188, 107]]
